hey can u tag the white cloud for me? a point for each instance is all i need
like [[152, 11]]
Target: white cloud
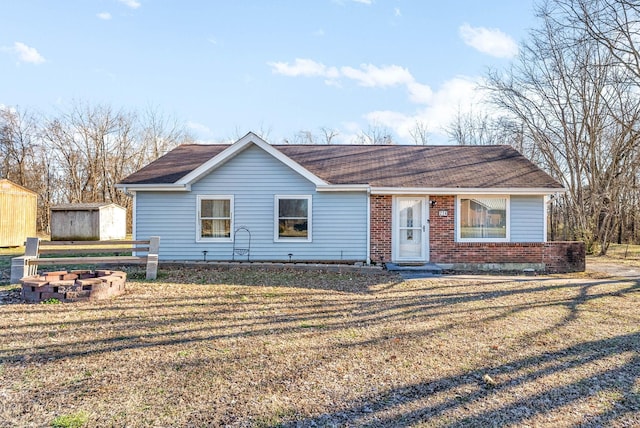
[[25, 53], [319, 32], [489, 40], [133, 4], [435, 109], [419, 93], [367, 2], [367, 75], [455, 95], [198, 127], [304, 67], [104, 15], [396, 12], [372, 76]]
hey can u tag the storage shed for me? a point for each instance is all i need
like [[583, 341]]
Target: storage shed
[[18, 210], [88, 222]]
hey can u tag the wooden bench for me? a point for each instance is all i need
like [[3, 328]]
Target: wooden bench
[[79, 253]]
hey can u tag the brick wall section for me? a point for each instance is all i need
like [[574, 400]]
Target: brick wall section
[[381, 228], [562, 257], [557, 256], [442, 230]]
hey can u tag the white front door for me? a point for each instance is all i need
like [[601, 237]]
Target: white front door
[[411, 235]]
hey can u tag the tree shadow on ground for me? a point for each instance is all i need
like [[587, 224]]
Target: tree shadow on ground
[[216, 318], [378, 410]]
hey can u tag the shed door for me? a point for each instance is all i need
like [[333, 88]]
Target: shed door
[[411, 229]]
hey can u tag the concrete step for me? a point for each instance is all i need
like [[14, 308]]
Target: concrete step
[[414, 268]]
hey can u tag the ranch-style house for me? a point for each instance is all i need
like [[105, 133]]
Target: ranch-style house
[[460, 207]]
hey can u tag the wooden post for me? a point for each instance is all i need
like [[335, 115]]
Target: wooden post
[[20, 265], [152, 257]]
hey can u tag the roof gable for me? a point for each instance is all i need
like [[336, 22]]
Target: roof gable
[[7, 185], [238, 147]]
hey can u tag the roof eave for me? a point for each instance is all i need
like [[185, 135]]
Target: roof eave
[[343, 188], [154, 187], [465, 191]]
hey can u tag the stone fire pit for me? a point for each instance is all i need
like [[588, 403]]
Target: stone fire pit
[[73, 286]]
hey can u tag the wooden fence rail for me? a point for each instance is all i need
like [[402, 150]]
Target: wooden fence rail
[[38, 252]]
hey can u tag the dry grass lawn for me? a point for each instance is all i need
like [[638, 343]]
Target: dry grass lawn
[[260, 348]]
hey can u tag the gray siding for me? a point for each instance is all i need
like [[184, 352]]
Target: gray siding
[[339, 219], [527, 219]]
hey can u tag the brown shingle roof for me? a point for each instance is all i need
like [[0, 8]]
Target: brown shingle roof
[[378, 165], [175, 164]]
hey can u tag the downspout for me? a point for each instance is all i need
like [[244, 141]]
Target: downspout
[[546, 200], [368, 225], [134, 232]]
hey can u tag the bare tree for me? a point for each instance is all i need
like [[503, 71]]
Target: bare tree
[[581, 113], [325, 136], [304, 137], [328, 134], [419, 133], [615, 24], [469, 128], [84, 140], [18, 137], [160, 133], [25, 160], [375, 134], [79, 154]]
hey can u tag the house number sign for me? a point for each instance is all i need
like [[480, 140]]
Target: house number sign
[[443, 213]]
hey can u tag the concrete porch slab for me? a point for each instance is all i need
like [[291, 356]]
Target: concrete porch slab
[[426, 267], [415, 271]]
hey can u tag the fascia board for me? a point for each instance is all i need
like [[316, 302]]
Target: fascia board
[[153, 187], [239, 146], [343, 188], [464, 191]]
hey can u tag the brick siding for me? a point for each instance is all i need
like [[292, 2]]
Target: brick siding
[[556, 256], [381, 228]]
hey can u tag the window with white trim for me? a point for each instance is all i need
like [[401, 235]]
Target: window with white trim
[[483, 218], [215, 218], [293, 218]]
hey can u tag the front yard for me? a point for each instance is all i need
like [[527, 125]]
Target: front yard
[[203, 347]]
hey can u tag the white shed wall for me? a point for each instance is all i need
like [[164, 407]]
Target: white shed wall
[[113, 222]]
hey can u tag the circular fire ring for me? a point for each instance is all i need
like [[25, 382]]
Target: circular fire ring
[[73, 286]]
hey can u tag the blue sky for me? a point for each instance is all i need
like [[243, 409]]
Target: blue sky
[[274, 67]]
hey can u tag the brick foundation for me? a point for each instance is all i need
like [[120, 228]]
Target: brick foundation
[[74, 286], [552, 257], [562, 257]]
